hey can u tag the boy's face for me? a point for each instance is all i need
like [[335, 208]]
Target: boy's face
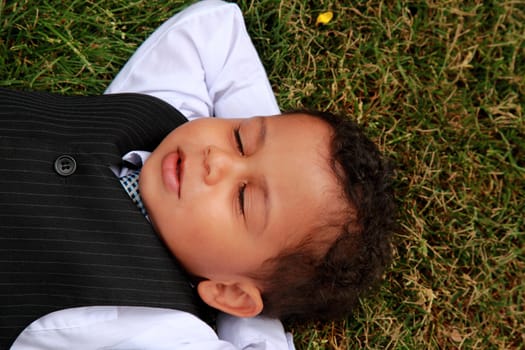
[[227, 194]]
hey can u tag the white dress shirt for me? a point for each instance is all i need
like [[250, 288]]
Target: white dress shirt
[[203, 62], [112, 327]]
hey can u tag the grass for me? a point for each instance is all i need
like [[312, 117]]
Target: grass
[[439, 84]]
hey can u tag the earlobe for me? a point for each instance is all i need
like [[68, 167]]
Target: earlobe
[[242, 299]]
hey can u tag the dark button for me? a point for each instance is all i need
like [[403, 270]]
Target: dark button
[[65, 165]]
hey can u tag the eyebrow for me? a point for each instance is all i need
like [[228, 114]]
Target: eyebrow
[[260, 141], [261, 136]]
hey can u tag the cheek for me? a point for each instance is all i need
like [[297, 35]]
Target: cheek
[[194, 224]]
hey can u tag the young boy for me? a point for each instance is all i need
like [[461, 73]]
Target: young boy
[[278, 215], [252, 180]]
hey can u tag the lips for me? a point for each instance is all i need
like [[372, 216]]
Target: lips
[[173, 171]]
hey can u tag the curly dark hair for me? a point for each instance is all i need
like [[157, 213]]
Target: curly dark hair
[[301, 283]]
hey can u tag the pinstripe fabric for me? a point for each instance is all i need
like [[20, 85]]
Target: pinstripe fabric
[[78, 240]]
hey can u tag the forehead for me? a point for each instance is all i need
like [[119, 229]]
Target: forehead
[[303, 185]]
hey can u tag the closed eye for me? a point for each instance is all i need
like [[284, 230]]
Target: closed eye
[[238, 140], [242, 189]]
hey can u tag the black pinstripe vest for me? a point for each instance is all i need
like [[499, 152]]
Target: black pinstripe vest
[[77, 239]]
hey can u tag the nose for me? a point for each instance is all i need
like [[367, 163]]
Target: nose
[[219, 164]]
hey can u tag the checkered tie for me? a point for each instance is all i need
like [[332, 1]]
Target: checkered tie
[[130, 183]]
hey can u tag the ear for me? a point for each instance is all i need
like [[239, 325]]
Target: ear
[[238, 298]]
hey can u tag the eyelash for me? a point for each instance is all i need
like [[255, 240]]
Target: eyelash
[[242, 188], [238, 140]]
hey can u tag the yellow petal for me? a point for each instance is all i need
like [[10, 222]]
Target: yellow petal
[[324, 17]]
